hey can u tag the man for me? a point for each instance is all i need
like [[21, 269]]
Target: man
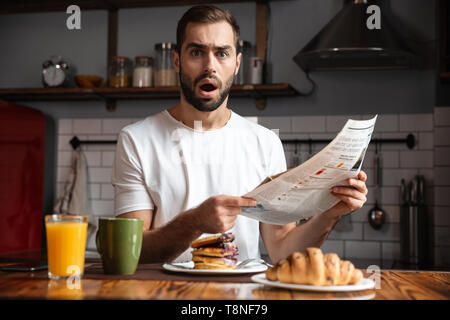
[[183, 170]]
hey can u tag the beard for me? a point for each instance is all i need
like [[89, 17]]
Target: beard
[[204, 104]]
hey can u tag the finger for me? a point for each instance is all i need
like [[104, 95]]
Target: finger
[[228, 223], [352, 203], [358, 184], [362, 176], [350, 192], [238, 201], [232, 211]]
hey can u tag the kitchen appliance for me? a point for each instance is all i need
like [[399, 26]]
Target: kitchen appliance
[[346, 43], [414, 223], [22, 149]]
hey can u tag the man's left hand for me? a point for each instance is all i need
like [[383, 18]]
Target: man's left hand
[[351, 198]]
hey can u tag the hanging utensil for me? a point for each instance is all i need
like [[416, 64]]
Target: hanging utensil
[[413, 191], [403, 192], [414, 241], [295, 158], [420, 190], [310, 148], [376, 215]]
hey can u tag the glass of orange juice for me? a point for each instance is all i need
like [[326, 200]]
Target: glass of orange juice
[[66, 245]]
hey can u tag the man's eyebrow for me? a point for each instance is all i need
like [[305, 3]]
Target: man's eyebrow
[[225, 47], [202, 46]]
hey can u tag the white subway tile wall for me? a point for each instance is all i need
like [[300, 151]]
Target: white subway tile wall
[[442, 117], [359, 240]]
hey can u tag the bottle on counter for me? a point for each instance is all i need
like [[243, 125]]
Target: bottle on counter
[[165, 74], [120, 72], [143, 72]]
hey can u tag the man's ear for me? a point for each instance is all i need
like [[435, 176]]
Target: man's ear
[[238, 62], [176, 60]]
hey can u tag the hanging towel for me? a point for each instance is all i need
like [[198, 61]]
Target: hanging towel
[[75, 197]]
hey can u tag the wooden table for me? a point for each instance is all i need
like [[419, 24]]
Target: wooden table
[[394, 285]]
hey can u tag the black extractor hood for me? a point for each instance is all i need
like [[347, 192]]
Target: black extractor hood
[[346, 43]]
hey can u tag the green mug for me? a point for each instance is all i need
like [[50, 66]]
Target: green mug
[[119, 242]]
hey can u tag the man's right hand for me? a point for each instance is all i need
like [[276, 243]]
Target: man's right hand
[[218, 214]]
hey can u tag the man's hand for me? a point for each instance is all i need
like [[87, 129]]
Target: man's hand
[[351, 199], [218, 214]]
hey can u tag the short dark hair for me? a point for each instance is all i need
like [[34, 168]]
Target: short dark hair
[[205, 14]]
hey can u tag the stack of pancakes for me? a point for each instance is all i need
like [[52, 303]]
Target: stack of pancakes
[[215, 252]]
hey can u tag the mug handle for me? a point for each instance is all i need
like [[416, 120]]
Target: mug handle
[[97, 241]]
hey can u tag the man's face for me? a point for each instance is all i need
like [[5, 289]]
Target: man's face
[[207, 64]]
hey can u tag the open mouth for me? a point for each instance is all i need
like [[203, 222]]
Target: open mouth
[[208, 87], [207, 90]]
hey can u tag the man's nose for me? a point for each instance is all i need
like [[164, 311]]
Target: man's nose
[[210, 63]]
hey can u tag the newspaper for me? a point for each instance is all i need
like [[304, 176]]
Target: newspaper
[[304, 191]]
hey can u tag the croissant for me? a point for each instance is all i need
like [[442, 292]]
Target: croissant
[[314, 268]]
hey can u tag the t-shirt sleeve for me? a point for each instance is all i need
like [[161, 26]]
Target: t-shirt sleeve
[[277, 158], [127, 178]]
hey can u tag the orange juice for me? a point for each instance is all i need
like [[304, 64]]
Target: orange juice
[[66, 244]]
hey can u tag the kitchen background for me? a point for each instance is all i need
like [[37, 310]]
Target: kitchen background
[[407, 101]]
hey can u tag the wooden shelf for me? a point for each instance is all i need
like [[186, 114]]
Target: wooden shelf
[[42, 94], [49, 94], [110, 95]]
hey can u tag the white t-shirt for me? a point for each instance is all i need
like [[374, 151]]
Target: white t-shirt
[[164, 165]]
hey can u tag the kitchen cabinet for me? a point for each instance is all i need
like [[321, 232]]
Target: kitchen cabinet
[[110, 95]]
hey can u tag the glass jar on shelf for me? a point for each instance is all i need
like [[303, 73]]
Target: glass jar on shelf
[[143, 72], [120, 72], [244, 47], [165, 74]]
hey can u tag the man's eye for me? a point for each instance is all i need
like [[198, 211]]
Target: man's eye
[[222, 54], [195, 53]]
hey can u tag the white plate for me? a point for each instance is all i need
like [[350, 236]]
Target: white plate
[[188, 267], [363, 285]]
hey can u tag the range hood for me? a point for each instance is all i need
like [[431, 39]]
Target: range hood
[[346, 43]]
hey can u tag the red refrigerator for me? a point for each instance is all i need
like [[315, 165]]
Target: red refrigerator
[[22, 155]]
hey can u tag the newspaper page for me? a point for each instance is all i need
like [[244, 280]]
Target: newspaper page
[[305, 191]]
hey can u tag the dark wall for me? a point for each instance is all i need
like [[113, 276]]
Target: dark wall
[[443, 31]]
